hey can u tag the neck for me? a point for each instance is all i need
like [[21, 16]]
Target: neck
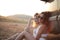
[[38, 23]]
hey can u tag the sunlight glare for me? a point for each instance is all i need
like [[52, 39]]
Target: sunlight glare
[[28, 7]]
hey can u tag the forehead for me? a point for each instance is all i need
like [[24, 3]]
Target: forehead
[[41, 15]]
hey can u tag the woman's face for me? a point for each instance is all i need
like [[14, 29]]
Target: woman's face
[[37, 20], [41, 18]]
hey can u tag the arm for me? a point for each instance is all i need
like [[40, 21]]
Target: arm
[[51, 26], [28, 25], [40, 32], [51, 35]]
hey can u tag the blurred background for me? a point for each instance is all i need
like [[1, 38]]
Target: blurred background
[[14, 14]]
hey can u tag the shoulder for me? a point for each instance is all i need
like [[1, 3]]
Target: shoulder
[[51, 23], [43, 26]]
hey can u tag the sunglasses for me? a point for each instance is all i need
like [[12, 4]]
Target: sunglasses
[[40, 17], [36, 18]]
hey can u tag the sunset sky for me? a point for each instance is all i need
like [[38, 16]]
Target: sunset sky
[[27, 7]]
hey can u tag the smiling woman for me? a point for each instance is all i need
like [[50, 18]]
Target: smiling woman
[[28, 7]]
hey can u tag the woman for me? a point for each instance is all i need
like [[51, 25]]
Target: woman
[[42, 27], [26, 32], [46, 26]]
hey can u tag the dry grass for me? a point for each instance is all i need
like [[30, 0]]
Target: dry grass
[[7, 29]]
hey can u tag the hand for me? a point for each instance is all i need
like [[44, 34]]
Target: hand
[[52, 35], [29, 22]]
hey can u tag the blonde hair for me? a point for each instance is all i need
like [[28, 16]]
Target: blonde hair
[[34, 23]]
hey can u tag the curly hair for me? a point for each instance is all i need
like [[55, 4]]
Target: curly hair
[[46, 16], [36, 15]]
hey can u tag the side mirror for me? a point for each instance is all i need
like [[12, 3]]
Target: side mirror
[[48, 1]]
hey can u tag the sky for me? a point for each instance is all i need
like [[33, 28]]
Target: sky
[[58, 4], [27, 7]]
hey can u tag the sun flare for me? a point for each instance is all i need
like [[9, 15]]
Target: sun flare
[[28, 7], [34, 24]]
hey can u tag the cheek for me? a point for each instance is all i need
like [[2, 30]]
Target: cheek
[[39, 20]]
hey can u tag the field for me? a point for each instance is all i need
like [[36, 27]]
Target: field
[[11, 25], [8, 29]]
